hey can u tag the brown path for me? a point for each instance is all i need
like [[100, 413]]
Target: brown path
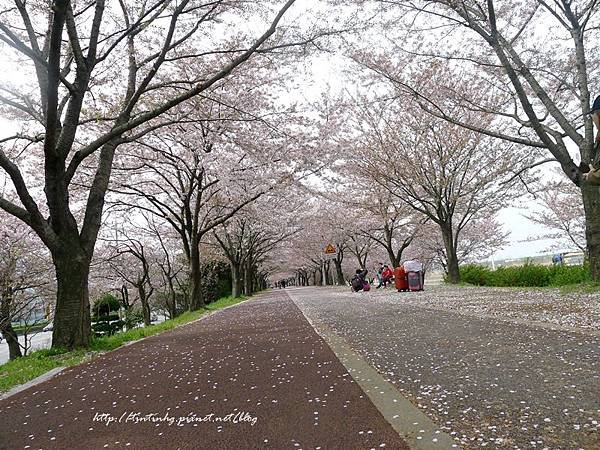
[[258, 362]]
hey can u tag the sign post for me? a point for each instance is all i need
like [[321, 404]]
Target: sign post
[[330, 251]]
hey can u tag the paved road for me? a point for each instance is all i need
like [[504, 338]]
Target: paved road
[[488, 383], [255, 376]]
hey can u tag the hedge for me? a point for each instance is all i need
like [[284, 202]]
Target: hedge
[[529, 275]]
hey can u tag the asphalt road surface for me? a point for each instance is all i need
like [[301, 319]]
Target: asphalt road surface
[[255, 376], [486, 382]]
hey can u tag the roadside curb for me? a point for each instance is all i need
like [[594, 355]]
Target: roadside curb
[[21, 387]]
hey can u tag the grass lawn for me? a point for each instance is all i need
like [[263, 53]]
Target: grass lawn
[[582, 288], [24, 369]]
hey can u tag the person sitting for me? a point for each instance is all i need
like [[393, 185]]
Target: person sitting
[[380, 276], [386, 275], [359, 280]]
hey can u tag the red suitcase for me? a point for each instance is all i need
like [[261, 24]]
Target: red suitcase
[[400, 279], [415, 281]]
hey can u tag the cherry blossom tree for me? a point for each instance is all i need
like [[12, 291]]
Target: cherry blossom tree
[[197, 176], [381, 218], [562, 212], [170, 259], [250, 236], [24, 282], [534, 66], [477, 242], [131, 261], [84, 106], [448, 174]]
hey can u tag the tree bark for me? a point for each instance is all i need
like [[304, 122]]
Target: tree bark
[[247, 279], [14, 349], [144, 302], [339, 272], [236, 282], [72, 322], [326, 273], [125, 298], [172, 302], [196, 299], [451, 257], [591, 204]]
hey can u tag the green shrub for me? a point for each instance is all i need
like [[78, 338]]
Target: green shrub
[[474, 274], [522, 276], [106, 328], [566, 275], [103, 306], [133, 318], [111, 316], [215, 280], [528, 275]]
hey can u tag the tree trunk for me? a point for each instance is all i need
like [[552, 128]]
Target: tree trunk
[[236, 281], [196, 298], [394, 260], [172, 302], [389, 247], [326, 272], [72, 322], [144, 302], [451, 257], [591, 204], [339, 272], [247, 279], [14, 350], [125, 298], [362, 260]]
